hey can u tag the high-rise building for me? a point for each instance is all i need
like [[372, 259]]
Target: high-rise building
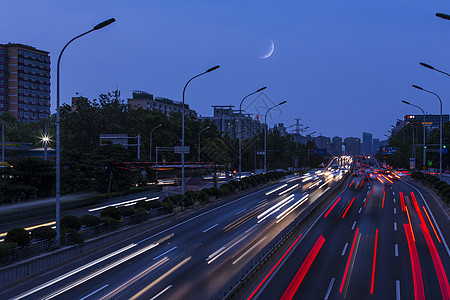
[[367, 144], [336, 146], [352, 146], [24, 82], [226, 120], [323, 142]]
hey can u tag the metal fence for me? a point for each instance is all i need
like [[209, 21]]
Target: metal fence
[[233, 286], [76, 246]]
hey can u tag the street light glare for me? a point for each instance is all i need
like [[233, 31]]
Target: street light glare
[[212, 69], [426, 65], [104, 23], [443, 16], [417, 87]]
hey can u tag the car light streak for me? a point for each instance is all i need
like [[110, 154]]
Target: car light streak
[[362, 182], [440, 271], [131, 281], [351, 183], [261, 217], [289, 189], [224, 249], [246, 252], [331, 208], [384, 196], [274, 190], [374, 262], [243, 219], [148, 287], [419, 293], [386, 178], [410, 225], [162, 292], [402, 201], [291, 208], [161, 255], [125, 203], [68, 274], [100, 271], [348, 261], [273, 269], [326, 182], [297, 178], [301, 273], [32, 227], [348, 207], [379, 179], [431, 224], [94, 292]]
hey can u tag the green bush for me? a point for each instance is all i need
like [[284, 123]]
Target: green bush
[[71, 236], [154, 204], [71, 222], [90, 220], [438, 185], [43, 233], [139, 210], [6, 248], [19, 236], [444, 191], [167, 205], [110, 212], [126, 211], [108, 221], [142, 204]]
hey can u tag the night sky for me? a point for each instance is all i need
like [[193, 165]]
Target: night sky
[[343, 66]]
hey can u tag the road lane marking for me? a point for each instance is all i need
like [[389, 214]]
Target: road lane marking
[[162, 292], [395, 211], [330, 286], [200, 215], [208, 229], [393, 193], [251, 228], [354, 224], [359, 211], [395, 226], [240, 211], [432, 216], [165, 253], [397, 290], [394, 200], [396, 249], [345, 248], [96, 291]]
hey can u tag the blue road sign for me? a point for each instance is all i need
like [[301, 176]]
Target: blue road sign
[[390, 150]]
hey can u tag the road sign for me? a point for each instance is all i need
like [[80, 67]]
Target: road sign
[[260, 152], [179, 149], [445, 150], [320, 151], [430, 163], [412, 163], [390, 150]]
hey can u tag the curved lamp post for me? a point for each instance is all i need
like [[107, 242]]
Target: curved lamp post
[[182, 124], [199, 142], [265, 134], [239, 126], [424, 145], [58, 147], [151, 135]]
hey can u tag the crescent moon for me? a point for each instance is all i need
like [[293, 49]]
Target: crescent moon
[[270, 52]]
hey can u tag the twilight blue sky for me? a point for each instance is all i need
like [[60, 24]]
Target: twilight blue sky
[[343, 66]]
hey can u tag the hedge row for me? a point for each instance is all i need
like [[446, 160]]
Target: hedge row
[[440, 187], [203, 196]]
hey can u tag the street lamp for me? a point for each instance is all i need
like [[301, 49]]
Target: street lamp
[[433, 68], [424, 146], [151, 135], [182, 124], [58, 137], [239, 126], [199, 141], [265, 134], [443, 16]]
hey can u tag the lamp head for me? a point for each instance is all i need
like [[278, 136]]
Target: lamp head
[[417, 87], [104, 23], [426, 65], [212, 69], [406, 102], [443, 16], [281, 103], [261, 89]]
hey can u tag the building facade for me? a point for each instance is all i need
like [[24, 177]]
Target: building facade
[[367, 144], [352, 146], [145, 100], [24, 82], [336, 146], [227, 120], [323, 142]]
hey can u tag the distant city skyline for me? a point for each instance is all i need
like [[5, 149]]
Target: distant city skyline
[[343, 68]]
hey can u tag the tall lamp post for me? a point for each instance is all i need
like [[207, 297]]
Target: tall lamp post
[[199, 141], [440, 129], [239, 126], [151, 135], [182, 124], [58, 137], [265, 134], [424, 145]]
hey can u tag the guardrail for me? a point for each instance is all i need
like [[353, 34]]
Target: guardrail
[[250, 269]]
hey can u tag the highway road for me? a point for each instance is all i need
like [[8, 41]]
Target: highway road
[[191, 257], [380, 241]]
